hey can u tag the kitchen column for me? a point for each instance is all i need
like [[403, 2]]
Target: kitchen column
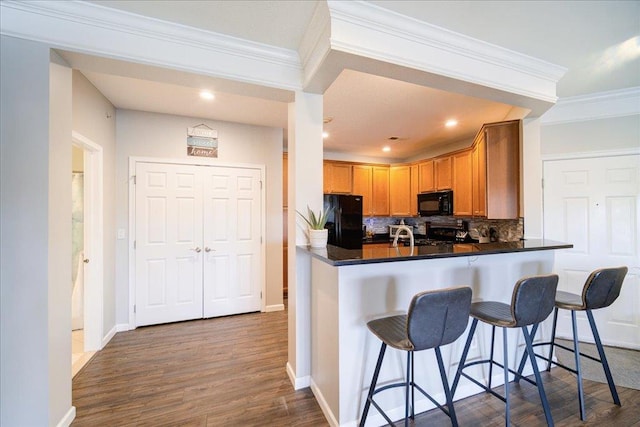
[[305, 189]]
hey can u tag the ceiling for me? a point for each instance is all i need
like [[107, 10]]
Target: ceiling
[[586, 37]]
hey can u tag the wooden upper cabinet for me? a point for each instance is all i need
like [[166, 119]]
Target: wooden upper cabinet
[[400, 185], [372, 183], [442, 172], [363, 186], [380, 190], [462, 183], [415, 182], [425, 177], [337, 177], [503, 169], [479, 175]]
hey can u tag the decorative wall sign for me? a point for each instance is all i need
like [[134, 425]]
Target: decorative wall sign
[[202, 141]]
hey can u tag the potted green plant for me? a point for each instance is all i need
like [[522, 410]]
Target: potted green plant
[[317, 233]]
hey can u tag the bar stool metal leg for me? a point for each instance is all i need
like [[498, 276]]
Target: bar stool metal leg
[[576, 353], [536, 372], [447, 391], [505, 367], [463, 359], [603, 359], [553, 338], [374, 381]]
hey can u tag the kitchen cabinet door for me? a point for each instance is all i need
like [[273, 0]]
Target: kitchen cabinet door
[[337, 178], [400, 194], [479, 166], [380, 190], [415, 182], [503, 170], [442, 172], [363, 186], [462, 192], [425, 174]]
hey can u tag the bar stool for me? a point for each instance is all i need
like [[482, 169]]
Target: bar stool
[[600, 290], [434, 319], [532, 302]]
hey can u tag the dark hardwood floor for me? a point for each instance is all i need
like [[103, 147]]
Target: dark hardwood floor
[[231, 372]]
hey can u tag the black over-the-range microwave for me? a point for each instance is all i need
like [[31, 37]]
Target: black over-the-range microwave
[[435, 203]]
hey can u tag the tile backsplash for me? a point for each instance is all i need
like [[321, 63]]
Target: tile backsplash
[[506, 230]]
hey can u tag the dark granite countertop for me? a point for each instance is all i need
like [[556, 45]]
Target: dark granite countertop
[[368, 255]]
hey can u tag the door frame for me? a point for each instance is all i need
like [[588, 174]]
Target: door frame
[[196, 161], [93, 311]]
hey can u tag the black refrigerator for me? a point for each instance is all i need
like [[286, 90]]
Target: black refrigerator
[[345, 220]]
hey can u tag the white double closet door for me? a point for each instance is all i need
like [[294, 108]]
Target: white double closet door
[[198, 250]]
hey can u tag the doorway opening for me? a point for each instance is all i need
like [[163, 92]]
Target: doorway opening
[[87, 243]]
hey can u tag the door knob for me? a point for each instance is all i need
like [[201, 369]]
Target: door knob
[[196, 249], [86, 260], [208, 249]]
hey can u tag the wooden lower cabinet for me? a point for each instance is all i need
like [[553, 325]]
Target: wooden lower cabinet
[[462, 183]]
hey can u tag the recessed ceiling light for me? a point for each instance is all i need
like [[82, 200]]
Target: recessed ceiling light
[[451, 123], [386, 148], [325, 134], [205, 94]]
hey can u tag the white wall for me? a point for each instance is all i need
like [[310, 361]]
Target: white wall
[[35, 207], [616, 133], [95, 118], [142, 134]]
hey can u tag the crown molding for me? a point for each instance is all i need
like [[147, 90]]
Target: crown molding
[[601, 105], [315, 46], [90, 28], [365, 29]]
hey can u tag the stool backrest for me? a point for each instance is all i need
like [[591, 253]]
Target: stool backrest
[[533, 299], [602, 287], [438, 317]]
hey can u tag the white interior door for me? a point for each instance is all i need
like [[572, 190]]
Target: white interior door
[[595, 205], [168, 243], [232, 239]]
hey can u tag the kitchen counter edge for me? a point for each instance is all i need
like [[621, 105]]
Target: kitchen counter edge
[[337, 256]]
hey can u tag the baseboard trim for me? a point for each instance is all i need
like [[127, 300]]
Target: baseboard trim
[[68, 418], [297, 383], [107, 338], [324, 406], [274, 307], [123, 327]]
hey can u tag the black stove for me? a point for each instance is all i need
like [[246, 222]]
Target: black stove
[[444, 233]]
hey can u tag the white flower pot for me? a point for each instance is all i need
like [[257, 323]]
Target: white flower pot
[[318, 238]]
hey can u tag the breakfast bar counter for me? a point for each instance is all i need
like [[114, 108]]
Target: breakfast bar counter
[[348, 288]]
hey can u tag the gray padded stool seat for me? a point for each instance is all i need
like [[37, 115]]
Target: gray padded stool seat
[[531, 302], [435, 318], [600, 290]]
